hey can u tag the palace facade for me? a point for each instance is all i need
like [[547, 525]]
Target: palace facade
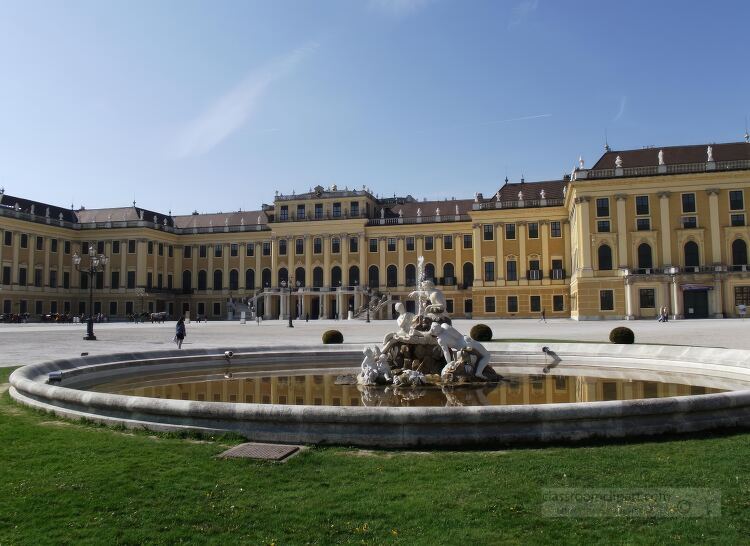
[[640, 230]]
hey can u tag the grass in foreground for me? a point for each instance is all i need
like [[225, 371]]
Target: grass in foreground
[[65, 482]]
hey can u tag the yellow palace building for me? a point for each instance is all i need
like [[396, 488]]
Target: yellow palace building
[[640, 230]]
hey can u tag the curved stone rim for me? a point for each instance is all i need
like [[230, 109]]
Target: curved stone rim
[[411, 426]]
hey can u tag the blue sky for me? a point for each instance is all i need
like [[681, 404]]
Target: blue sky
[[214, 105]]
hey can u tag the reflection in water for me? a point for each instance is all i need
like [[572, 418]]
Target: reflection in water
[[319, 390]]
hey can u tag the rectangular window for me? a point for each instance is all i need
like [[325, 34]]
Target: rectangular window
[[150, 247], [217, 309], [131, 246], [558, 302], [113, 308], [429, 242], [234, 249], [602, 207], [115, 246], [318, 211], [8, 238], [161, 249], [131, 279], [489, 304], [66, 279], [337, 210], [606, 300], [284, 213], [533, 230], [736, 200], [448, 242], [512, 304], [643, 224], [300, 212], [489, 271], [66, 247], [38, 307], [266, 248], [353, 244], [449, 306], [468, 306], [282, 247], [689, 222], [24, 240], [187, 251], [555, 229], [742, 295], [535, 304], [202, 251], [488, 232], [468, 240], [317, 245], [128, 307], [602, 226], [335, 245], [250, 249], [38, 278], [40, 243], [688, 202], [6, 274], [299, 246], [115, 279], [409, 244], [169, 281], [201, 308], [647, 298], [354, 209], [218, 250], [149, 279], [373, 245], [641, 205], [511, 273], [738, 219], [391, 244], [510, 231], [160, 280], [22, 276]]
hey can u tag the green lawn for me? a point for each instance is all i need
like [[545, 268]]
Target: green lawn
[[71, 483]]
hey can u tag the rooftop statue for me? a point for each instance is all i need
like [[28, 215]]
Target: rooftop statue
[[661, 157], [541, 194], [710, 154], [457, 213], [618, 162], [580, 162], [520, 196]]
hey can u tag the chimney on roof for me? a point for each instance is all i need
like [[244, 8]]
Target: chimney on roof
[[522, 179]]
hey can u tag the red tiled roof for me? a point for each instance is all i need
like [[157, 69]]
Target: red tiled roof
[[674, 155], [553, 189], [221, 219]]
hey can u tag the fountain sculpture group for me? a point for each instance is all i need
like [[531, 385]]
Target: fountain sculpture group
[[426, 349]]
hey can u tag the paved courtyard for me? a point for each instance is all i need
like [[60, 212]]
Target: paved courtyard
[[27, 343]]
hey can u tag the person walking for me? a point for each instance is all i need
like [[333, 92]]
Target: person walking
[[180, 332], [543, 316], [742, 308]]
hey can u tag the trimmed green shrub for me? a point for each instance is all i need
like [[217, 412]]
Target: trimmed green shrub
[[332, 336], [481, 332], [622, 335]]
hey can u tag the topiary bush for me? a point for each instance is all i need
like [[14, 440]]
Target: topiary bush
[[332, 336], [622, 335], [481, 332]]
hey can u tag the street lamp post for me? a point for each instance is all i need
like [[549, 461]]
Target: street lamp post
[[284, 284], [97, 263], [367, 294]]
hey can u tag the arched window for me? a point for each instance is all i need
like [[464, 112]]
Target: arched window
[[692, 257], [411, 275], [468, 270], [605, 258], [299, 276], [373, 277], [449, 274], [318, 277], [187, 280], [265, 277], [429, 272], [234, 279], [283, 275], [336, 276], [391, 276], [354, 275], [739, 252], [218, 279], [202, 279], [644, 256], [250, 279]]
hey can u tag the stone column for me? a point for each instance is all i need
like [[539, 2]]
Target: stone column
[[344, 259], [275, 263], [327, 260], [629, 315], [176, 266], [45, 271], [401, 273], [243, 286], [546, 262], [438, 256], [477, 245], [382, 250], [141, 263], [666, 230], [713, 207], [308, 261], [362, 260], [266, 306], [718, 306], [107, 268], [523, 261], [458, 243], [258, 268], [194, 266], [566, 246], [210, 273], [676, 302], [622, 231], [584, 221], [16, 262]]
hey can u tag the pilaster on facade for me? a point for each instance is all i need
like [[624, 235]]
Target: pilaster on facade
[[665, 228], [713, 208]]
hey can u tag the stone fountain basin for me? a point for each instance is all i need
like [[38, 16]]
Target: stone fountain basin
[[406, 427]]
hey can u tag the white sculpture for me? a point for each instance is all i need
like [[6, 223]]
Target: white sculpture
[[374, 367], [580, 162], [404, 321], [242, 221], [450, 339], [156, 220], [400, 213], [60, 216], [520, 196], [565, 191], [419, 212], [259, 219], [409, 378], [33, 207], [497, 197], [437, 211], [382, 213], [661, 157], [541, 194], [431, 300], [618, 162], [710, 153], [46, 212], [476, 197], [140, 215], [457, 213]]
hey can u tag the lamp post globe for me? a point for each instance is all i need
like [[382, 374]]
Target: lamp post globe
[[96, 264]]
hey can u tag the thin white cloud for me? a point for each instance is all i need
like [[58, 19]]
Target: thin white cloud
[[485, 123], [522, 11], [397, 8], [232, 110], [621, 110]]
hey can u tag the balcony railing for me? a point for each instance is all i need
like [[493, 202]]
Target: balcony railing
[[534, 274], [557, 274], [652, 170], [525, 203]]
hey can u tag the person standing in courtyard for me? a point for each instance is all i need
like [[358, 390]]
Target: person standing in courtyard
[[543, 316], [180, 332], [742, 308]]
